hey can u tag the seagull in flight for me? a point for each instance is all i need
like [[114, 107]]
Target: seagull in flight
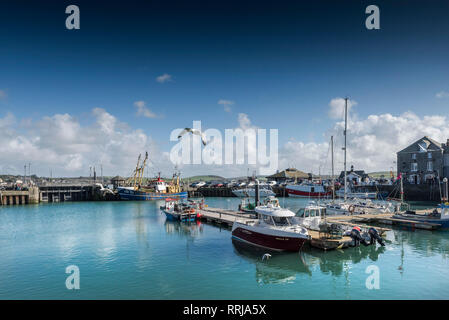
[[266, 256], [194, 131]]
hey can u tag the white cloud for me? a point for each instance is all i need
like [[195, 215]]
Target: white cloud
[[3, 94], [164, 78], [442, 94], [337, 107], [142, 110], [68, 147], [372, 142], [244, 121], [226, 104]]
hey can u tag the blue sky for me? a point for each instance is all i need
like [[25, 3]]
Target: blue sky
[[280, 63]]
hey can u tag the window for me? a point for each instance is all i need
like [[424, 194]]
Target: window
[[414, 156], [429, 166], [267, 219], [281, 221], [429, 155], [414, 166]]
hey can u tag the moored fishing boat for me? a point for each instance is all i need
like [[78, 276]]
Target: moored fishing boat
[[156, 189], [275, 229], [247, 206], [307, 190]]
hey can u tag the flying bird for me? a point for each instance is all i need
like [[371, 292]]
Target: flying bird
[[266, 256], [193, 131]]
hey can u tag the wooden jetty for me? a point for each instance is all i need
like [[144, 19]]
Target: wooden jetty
[[226, 218], [383, 219]]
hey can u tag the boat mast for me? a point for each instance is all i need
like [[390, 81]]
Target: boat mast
[[332, 157], [346, 127], [136, 172], [402, 190]]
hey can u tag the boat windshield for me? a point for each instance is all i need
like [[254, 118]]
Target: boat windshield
[[283, 221], [267, 219]]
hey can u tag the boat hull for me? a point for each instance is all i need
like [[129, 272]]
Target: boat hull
[[187, 217], [243, 193], [291, 243], [306, 194], [360, 195], [127, 194]]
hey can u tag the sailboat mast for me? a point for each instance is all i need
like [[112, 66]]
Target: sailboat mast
[[332, 157], [346, 127]]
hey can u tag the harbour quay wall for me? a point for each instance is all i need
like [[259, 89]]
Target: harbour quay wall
[[227, 192], [412, 192], [54, 193], [61, 193], [14, 197]]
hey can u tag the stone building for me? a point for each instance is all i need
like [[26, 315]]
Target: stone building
[[424, 161], [289, 174]]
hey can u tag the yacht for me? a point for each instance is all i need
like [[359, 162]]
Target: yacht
[[275, 229], [361, 195]]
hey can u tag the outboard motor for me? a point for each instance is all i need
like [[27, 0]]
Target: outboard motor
[[355, 236], [366, 239], [374, 235]]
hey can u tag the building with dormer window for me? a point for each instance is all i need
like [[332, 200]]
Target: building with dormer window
[[424, 160]]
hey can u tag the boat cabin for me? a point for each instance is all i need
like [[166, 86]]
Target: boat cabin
[[272, 202], [312, 211], [282, 218], [444, 211]]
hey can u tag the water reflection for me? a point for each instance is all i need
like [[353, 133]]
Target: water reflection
[[336, 262], [283, 267], [279, 268], [188, 230], [140, 225], [426, 243]]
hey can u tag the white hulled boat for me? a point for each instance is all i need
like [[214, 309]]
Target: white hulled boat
[[264, 191]]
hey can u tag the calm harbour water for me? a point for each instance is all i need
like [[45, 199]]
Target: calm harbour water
[[126, 250]]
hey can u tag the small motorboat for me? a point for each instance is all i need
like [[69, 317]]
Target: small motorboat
[[275, 229], [312, 216], [177, 210]]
